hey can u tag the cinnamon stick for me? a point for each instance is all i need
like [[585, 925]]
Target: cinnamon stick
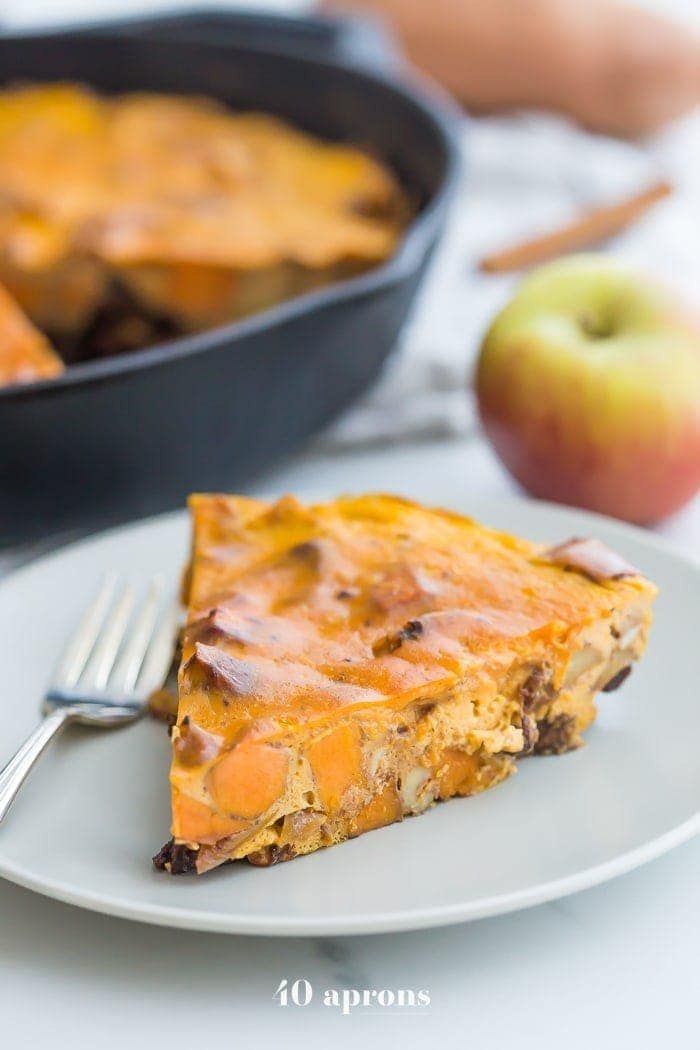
[[596, 226]]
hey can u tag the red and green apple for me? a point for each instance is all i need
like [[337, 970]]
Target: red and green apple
[[588, 385]]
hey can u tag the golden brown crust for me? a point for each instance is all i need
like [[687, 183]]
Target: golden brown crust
[[592, 558], [357, 660]]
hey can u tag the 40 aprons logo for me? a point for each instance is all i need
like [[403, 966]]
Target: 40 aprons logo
[[300, 992]]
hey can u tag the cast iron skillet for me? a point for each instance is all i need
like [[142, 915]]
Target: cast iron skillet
[[121, 437]]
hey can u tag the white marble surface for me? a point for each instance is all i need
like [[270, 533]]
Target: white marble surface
[[613, 967]]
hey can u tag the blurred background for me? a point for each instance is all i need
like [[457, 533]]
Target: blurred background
[[572, 107], [525, 173]]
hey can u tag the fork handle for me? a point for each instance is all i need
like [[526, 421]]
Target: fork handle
[[15, 772]]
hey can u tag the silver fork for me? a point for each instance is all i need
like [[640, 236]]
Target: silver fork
[[107, 671]]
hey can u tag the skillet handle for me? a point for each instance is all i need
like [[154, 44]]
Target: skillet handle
[[361, 42]]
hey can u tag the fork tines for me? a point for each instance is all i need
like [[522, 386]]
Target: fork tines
[[121, 648]]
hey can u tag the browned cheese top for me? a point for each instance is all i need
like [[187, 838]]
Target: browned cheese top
[[300, 614], [147, 178]]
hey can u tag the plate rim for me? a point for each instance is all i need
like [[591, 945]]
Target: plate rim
[[391, 922], [394, 921]]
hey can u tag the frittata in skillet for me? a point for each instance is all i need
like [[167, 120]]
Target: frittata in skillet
[[127, 220]]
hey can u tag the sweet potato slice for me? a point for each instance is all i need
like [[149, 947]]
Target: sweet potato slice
[[195, 822], [384, 808], [336, 763], [248, 779], [458, 773]]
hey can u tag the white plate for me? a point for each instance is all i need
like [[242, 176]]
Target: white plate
[[96, 808]]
